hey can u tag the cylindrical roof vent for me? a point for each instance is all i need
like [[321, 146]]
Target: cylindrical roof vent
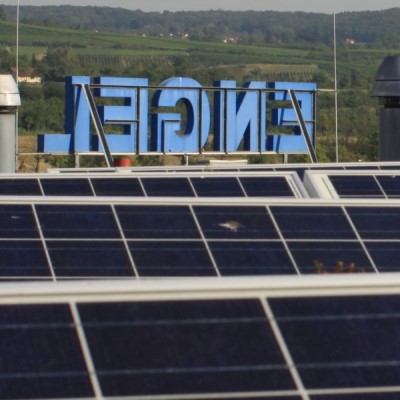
[[9, 102]]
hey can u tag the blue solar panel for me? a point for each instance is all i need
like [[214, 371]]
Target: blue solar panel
[[17, 221], [157, 222], [363, 185], [347, 342], [41, 356], [320, 222], [376, 222], [331, 347], [235, 222], [66, 187], [179, 187], [177, 348], [217, 187], [117, 187], [241, 258], [171, 258], [60, 241], [204, 185], [390, 185], [20, 187], [77, 221], [149, 186], [89, 258], [257, 186], [356, 186], [320, 257]]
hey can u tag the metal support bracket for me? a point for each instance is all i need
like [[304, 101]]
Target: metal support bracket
[[303, 126], [98, 125]]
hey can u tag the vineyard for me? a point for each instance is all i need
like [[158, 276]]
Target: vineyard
[[122, 62]]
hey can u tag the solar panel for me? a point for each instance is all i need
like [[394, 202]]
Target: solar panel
[[154, 185], [280, 338], [65, 239], [356, 186], [20, 187], [41, 354], [237, 167], [66, 187], [330, 340], [365, 184]]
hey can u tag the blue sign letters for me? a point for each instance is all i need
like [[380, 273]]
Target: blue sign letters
[[180, 116]]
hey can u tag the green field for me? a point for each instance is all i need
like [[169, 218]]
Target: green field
[[101, 49]]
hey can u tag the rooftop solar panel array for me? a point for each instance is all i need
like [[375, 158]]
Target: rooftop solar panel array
[[357, 185], [195, 185], [149, 230], [47, 240], [334, 346]]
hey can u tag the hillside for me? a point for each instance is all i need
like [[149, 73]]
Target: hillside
[[54, 52], [371, 28]]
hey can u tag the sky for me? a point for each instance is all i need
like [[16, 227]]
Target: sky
[[324, 6]]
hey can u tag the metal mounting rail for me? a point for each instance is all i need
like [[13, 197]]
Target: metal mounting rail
[[303, 126], [98, 125]]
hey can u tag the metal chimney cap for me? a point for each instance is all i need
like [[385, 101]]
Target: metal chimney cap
[[389, 69], [387, 79], [9, 93]]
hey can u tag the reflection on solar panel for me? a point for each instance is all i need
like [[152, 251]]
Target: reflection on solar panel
[[263, 339], [47, 240], [194, 185]]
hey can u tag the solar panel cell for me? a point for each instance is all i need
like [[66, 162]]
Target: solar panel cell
[[40, 354], [386, 255], [184, 347], [167, 187], [251, 258], [266, 186], [376, 222], [117, 187], [217, 187], [390, 185], [23, 259], [235, 222], [301, 222], [162, 222], [17, 221], [356, 186], [171, 258], [330, 257], [330, 340], [66, 187], [89, 259], [77, 221], [20, 187]]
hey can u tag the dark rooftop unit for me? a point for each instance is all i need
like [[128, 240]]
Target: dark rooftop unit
[[387, 88]]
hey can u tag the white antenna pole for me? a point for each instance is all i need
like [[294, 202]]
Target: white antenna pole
[[336, 89], [16, 81], [17, 46]]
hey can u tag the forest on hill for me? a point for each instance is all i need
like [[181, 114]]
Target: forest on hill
[[371, 28], [210, 45]]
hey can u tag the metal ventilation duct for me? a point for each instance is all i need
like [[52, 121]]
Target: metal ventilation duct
[[387, 88]]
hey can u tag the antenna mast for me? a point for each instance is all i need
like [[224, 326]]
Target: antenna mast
[[336, 91]]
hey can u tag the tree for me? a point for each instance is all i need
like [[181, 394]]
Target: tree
[[3, 13], [58, 63]]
